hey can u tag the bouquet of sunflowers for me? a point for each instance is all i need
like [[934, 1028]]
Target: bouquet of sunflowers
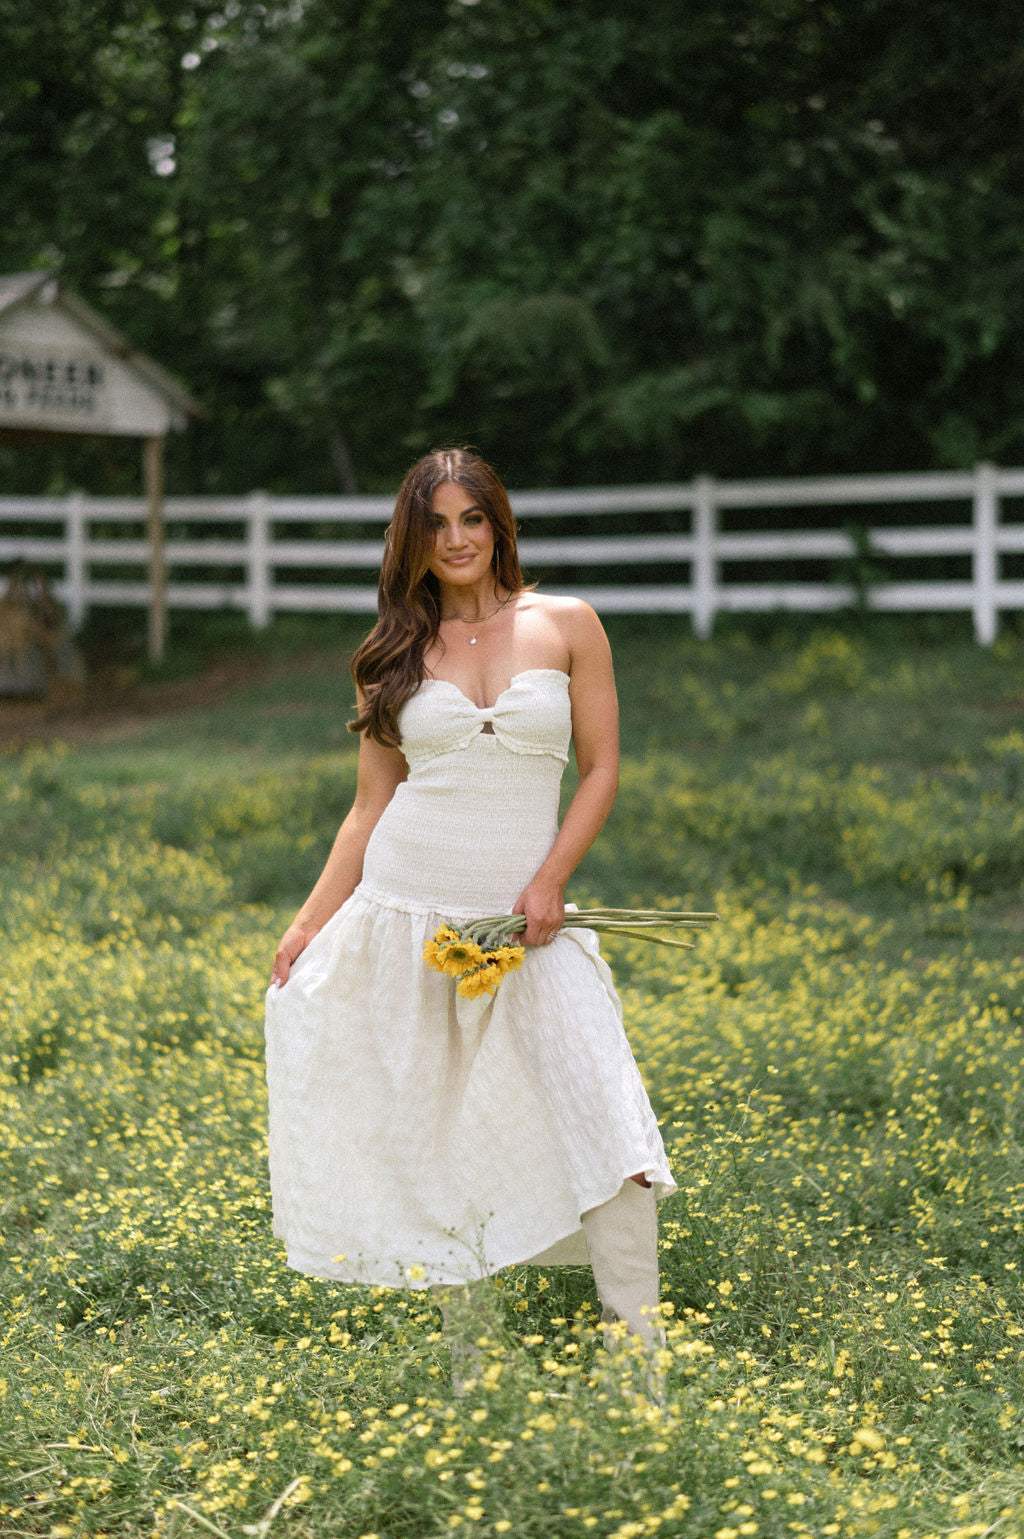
[[484, 950]]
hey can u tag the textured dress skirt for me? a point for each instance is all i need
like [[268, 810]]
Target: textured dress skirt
[[417, 1137]]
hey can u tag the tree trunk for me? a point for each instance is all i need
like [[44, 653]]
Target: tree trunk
[[341, 456]]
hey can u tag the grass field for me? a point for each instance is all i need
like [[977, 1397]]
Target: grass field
[[837, 1067]]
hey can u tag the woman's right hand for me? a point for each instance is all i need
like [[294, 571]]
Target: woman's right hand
[[293, 943]]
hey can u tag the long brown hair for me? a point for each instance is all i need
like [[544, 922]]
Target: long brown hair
[[388, 667]]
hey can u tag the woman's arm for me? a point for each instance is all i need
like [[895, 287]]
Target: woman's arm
[[595, 734], [381, 771]]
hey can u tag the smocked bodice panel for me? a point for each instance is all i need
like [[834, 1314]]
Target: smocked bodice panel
[[478, 813]]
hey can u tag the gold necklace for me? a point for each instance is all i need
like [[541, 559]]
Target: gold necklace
[[481, 619]]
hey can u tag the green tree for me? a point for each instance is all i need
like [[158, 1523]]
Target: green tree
[[792, 224], [603, 245], [89, 93]]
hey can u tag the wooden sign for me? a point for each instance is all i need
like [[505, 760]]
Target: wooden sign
[[46, 388], [64, 369]]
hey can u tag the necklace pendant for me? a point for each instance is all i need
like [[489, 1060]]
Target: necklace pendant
[[472, 641]]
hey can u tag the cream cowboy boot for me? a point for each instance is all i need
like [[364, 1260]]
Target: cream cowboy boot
[[622, 1238]]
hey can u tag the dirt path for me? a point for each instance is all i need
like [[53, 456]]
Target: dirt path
[[113, 703]]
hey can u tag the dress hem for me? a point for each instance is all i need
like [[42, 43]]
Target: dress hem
[[302, 1261]]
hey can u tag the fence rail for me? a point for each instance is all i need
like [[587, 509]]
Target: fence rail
[[249, 548]]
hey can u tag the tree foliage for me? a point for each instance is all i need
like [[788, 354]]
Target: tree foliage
[[773, 236]]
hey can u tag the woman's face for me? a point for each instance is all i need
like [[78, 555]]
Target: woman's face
[[463, 537]]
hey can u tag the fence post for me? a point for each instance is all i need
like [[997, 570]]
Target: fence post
[[986, 560], [257, 532], [75, 564], [704, 572]]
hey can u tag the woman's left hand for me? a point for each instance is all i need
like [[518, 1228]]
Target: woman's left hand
[[544, 907]]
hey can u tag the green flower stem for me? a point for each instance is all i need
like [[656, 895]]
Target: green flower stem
[[683, 916], [657, 940], [638, 923]]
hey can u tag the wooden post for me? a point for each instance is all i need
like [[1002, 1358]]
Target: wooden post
[[258, 561], [153, 473], [704, 579], [986, 558], [76, 568]]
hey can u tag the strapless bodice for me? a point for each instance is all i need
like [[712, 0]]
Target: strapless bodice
[[531, 716], [479, 811]]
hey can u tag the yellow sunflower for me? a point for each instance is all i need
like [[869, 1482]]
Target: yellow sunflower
[[508, 958], [482, 980], [432, 952], [436, 951], [452, 957]]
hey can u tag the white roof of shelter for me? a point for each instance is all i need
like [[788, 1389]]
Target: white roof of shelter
[[64, 369]]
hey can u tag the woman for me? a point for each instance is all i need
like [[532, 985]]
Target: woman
[[418, 1138]]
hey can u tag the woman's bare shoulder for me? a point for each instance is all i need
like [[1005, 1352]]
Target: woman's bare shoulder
[[571, 626], [560, 608]]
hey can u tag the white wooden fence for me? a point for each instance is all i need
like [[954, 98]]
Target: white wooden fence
[[244, 542]]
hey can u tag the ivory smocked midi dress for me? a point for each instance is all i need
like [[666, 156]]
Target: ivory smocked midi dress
[[417, 1137]]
